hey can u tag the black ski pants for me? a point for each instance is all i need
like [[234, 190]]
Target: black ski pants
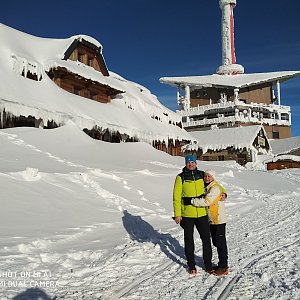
[[218, 236], [202, 227]]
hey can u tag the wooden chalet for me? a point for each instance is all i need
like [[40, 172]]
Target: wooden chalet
[[77, 65], [287, 154], [289, 146], [241, 144], [283, 162], [89, 54]]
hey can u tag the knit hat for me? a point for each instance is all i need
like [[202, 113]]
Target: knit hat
[[190, 158], [212, 173]]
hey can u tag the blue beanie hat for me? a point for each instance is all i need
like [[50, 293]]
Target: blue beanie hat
[[190, 158]]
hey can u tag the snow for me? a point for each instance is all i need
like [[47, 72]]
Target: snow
[[283, 146], [230, 69], [234, 81], [85, 219], [132, 113]]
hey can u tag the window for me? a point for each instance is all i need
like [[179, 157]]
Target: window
[[285, 117], [201, 93], [221, 158], [275, 135], [80, 57], [90, 61], [76, 90], [93, 96]]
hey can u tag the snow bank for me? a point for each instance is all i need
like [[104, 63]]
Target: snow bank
[[98, 221]]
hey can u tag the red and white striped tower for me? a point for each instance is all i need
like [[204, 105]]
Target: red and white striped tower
[[229, 66]]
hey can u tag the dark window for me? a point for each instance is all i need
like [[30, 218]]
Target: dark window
[[93, 96], [90, 61], [80, 57], [76, 90], [275, 135], [221, 157]]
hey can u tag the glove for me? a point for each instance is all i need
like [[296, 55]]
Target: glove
[[196, 202]]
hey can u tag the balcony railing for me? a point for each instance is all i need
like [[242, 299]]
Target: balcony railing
[[235, 119], [200, 110]]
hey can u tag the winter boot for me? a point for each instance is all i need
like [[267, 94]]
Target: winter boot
[[193, 272], [221, 271]]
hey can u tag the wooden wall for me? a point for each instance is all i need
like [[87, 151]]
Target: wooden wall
[[258, 94], [172, 149], [81, 86], [284, 131], [295, 152], [240, 156], [283, 164], [87, 56], [202, 96]]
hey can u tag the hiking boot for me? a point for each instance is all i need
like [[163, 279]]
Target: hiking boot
[[210, 270], [221, 271], [193, 272]]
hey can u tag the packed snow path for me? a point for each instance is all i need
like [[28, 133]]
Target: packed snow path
[[107, 233]]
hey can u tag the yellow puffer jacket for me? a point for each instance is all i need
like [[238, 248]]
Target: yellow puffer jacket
[[216, 209], [188, 184]]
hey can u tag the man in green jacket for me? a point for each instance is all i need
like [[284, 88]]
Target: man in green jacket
[[189, 184]]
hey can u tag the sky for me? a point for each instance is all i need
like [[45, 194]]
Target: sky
[[144, 40]]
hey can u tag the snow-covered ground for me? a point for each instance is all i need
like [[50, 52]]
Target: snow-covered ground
[[85, 219]]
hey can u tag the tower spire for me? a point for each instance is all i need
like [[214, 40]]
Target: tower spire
[[229, 66]]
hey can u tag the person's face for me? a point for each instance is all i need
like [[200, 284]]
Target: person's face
[[208, 178], [191, 165]]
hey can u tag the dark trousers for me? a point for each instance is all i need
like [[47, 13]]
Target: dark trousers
[[218, 236], [202, 226]]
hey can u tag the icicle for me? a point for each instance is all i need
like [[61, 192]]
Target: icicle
[[22, 66], [1, 117]]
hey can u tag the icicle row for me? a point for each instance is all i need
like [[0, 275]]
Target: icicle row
[[22, 66]]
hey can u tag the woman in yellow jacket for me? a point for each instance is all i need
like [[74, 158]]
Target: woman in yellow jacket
[[212, 200], [189, 184]]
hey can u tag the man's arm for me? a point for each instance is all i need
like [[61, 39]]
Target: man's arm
[[177, 193], [213, 195]]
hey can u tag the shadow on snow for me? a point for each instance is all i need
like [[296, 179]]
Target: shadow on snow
[[33, 294], [141, 231]]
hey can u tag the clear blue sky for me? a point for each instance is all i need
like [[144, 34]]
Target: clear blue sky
[[144, 40]]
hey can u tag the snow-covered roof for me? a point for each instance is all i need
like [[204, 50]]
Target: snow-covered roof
[[283, 146], [132, 112], [219, 139], [232, 81], [283, 157]]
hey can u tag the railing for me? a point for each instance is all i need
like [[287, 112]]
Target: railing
[[234, 119], [200, 110]]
